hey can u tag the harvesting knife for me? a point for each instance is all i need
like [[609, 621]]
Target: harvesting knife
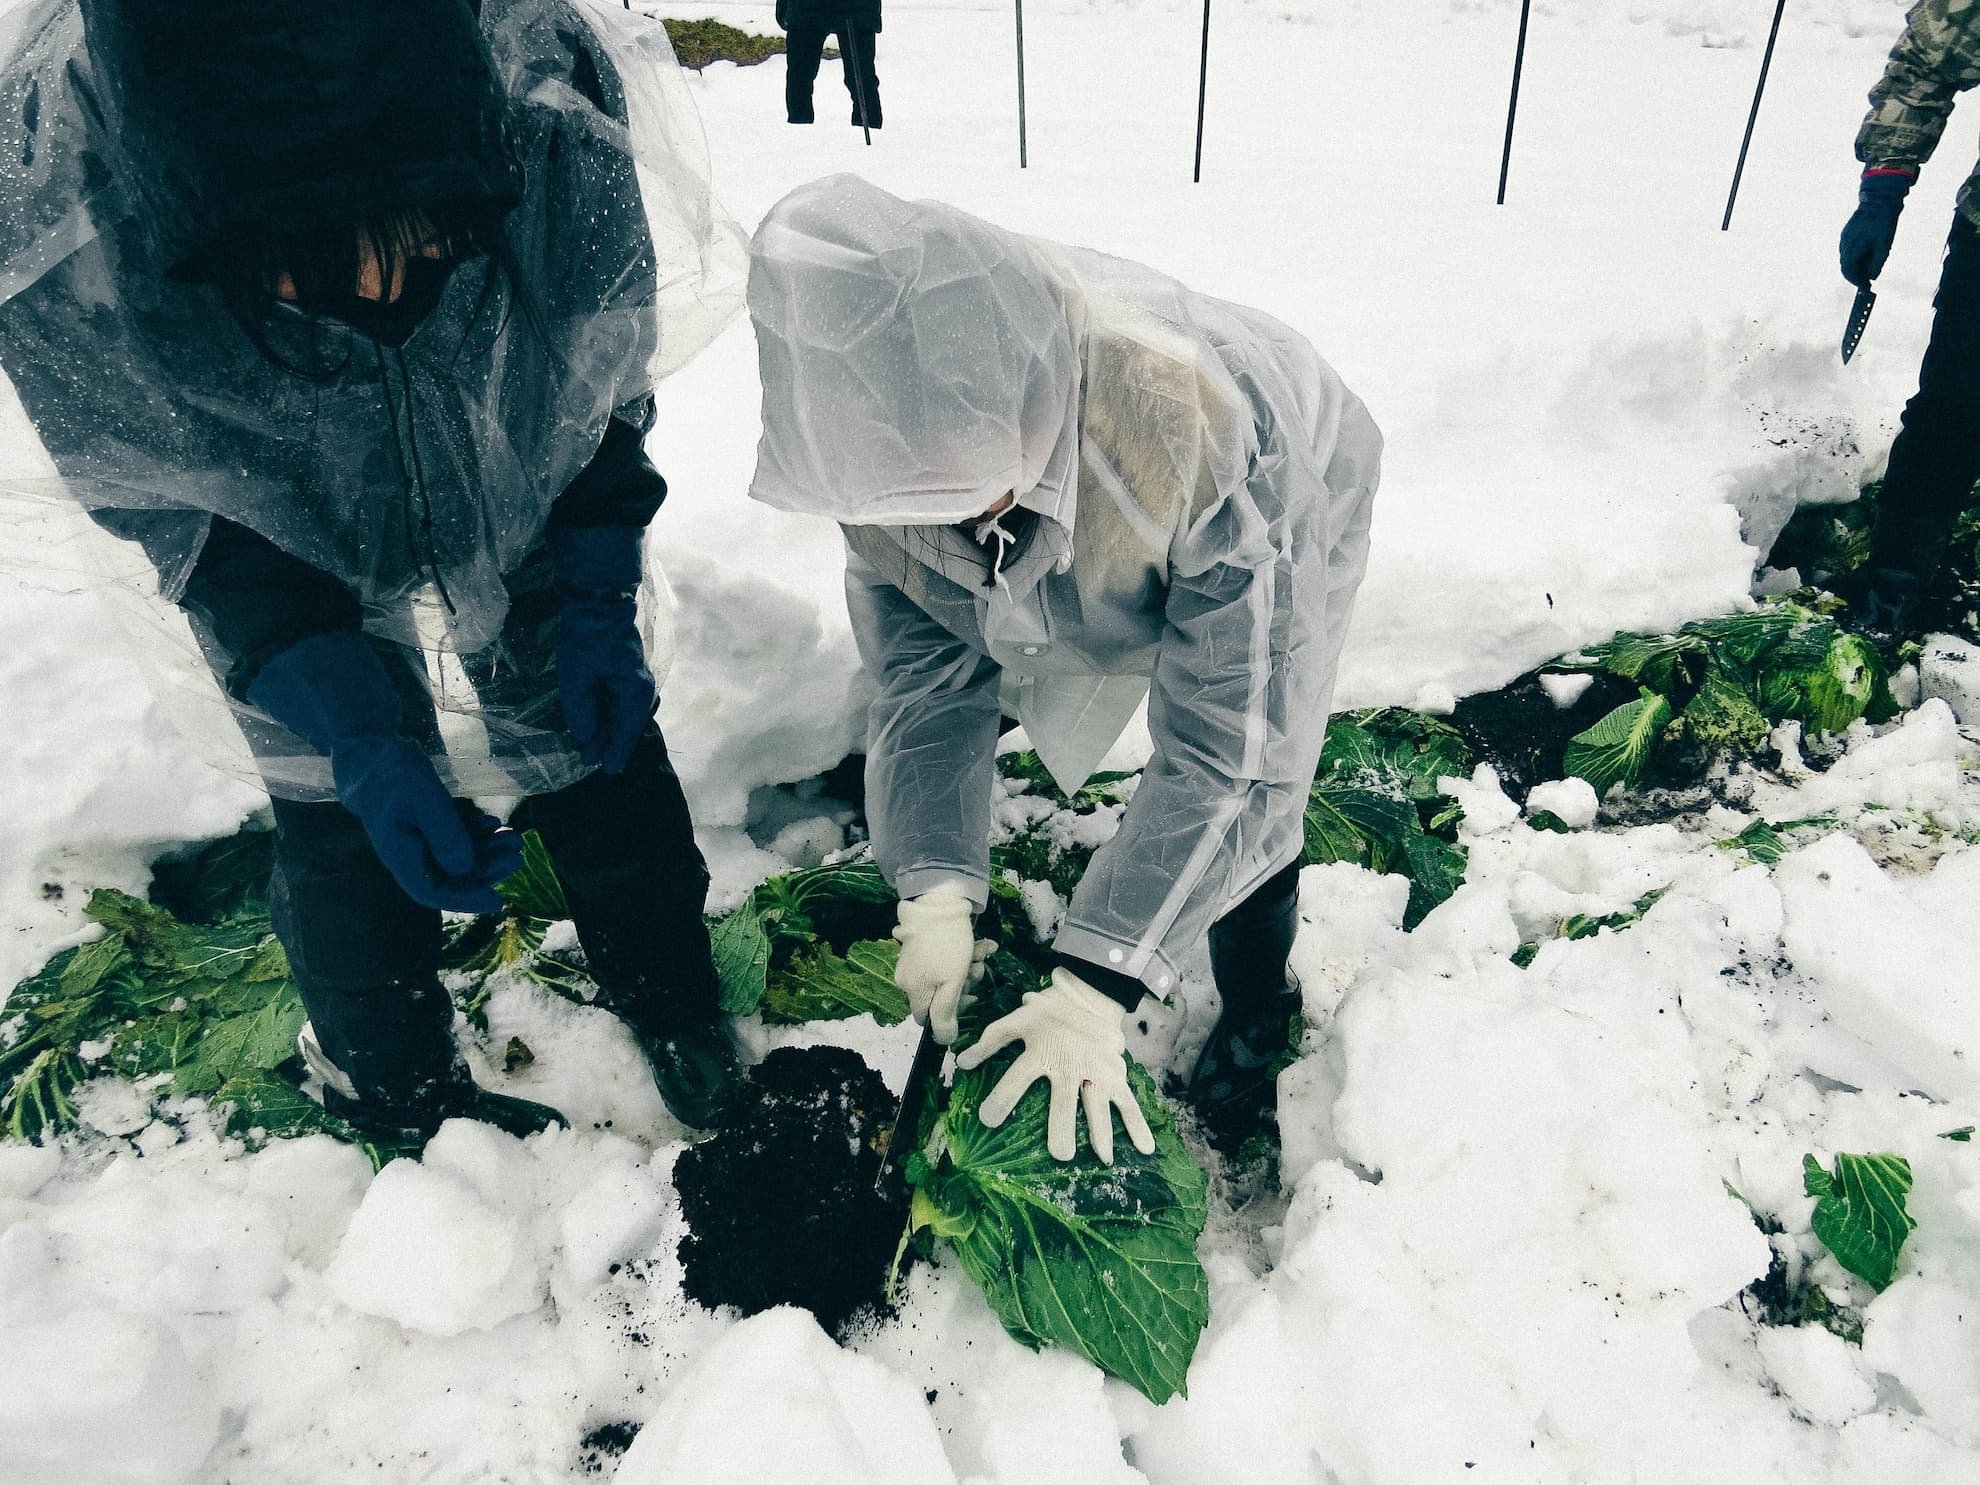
[[924, 1076], [1859, 316]]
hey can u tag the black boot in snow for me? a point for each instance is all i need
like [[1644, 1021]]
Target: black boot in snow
[[693, 1057], [409, 1116], [1235, 1086]]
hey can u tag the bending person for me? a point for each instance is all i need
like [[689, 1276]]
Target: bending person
[[1068, 483], [359, 347]]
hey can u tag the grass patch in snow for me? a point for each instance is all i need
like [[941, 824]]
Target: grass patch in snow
[[698, 43]]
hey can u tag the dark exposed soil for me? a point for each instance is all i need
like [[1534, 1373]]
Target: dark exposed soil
[[1523, 735], [780, 1203]]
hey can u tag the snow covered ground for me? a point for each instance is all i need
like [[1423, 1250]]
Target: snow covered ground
[[1585, 392]]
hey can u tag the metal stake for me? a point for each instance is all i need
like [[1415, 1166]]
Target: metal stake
[[1512, 108], [1753, 117], [859, 76], [1024, 157], [1202, 90]]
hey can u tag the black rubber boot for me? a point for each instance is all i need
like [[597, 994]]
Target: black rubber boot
[[1235, 1086], [406, 1111], [414, 1120], [695, 1063]]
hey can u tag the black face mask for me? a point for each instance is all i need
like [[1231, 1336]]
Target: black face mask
[[422, 281]]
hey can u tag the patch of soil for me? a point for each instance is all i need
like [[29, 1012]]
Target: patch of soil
[[780, 1203], [604, 1444], [1524, 735]]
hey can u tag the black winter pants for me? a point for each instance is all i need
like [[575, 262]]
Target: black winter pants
[[1936, 458], [804, 50], [366, 957]]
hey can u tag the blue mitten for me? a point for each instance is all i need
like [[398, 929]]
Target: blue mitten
[[331, 690], [1869, 233], [607, 692]]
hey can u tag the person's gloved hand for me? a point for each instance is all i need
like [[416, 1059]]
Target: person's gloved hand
[[332, 690], [607, 692], [1869, 233], [941, 957], [1075, 1038]]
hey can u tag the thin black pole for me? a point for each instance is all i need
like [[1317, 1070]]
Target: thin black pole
[[1024, 156], [1753, 117], [859, 76], [1512, 108], [1202, 90]]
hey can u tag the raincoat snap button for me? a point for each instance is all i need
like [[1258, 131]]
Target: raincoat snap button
[[1115, 956], [1162, 983], [1031, 649]]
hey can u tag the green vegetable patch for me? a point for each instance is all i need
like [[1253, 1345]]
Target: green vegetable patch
[[1098, 1259]]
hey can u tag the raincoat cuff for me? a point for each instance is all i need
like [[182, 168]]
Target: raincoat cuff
[[1156, 971], [921, 879]]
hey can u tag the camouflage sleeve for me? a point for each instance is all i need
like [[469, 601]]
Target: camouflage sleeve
[[1937, 58]]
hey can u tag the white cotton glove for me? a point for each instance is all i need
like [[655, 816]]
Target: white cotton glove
[[941, 957], [1075, 1038]]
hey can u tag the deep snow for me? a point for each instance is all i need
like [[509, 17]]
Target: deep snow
[[1584, 393]]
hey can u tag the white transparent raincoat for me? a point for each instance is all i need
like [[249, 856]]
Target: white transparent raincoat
[[1195, 486], [156, 412]]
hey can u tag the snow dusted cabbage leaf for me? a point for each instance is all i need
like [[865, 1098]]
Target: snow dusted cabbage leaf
[[1375, 802], [742, 960], [1394, 746], [1617, 749], [1860, 1212], [819, 985], [1098, 1259], [793, 915], [204, 1003]]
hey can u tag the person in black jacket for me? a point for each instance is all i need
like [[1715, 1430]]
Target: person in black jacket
[[808, 24], [356, 339]]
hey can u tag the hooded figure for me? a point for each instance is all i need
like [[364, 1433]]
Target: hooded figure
[[1066, 482], [348, 316]]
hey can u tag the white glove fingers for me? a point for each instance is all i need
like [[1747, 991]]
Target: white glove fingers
[[942, 1017], [1133, 1120], [1062, 1120], [1099, 1122], [1010, 1088], [998, 1035]]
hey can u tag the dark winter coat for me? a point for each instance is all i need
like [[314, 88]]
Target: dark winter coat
[[1935, 60], [827, 15]]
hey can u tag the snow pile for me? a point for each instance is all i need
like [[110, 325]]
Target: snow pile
[[836, 1419], [1505, 1240]]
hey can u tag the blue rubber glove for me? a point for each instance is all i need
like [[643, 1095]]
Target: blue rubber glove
[[331, 690], [1868, 235], [607, 691]]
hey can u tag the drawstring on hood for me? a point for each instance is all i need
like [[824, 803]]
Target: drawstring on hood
[[995, 530]]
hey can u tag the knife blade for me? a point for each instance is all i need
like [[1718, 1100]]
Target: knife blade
[[1859, 316]]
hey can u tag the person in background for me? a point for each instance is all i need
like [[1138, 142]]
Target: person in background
[[347, 313], [1068, 484], [1936, 457], [808, 24]]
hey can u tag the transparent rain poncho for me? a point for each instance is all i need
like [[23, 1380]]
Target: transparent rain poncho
[[1193, 489], [420, 478]]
